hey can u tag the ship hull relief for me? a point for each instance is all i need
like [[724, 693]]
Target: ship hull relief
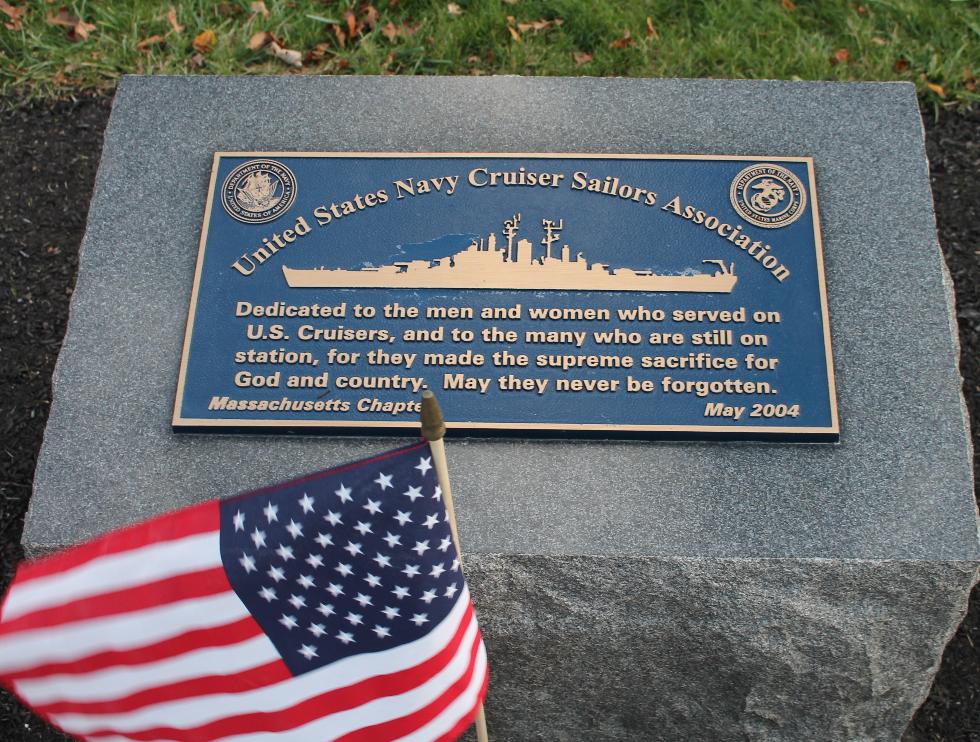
[[485, 265]]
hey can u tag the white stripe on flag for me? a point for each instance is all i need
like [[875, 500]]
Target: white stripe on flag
[[74, 641], [119, 682], [193, 712], [115, 572], [378, 710], [459, 708]]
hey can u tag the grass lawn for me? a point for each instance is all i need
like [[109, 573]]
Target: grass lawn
[[49, 50]]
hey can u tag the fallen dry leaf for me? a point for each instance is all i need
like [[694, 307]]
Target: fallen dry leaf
[[651, 31], [317, 53], [510, 2], [196, 62], [289, 56], [205, 41], [840, 56], [969, 80], [81, 31], [172, 18], [14, 14], [862, 10], [258, 9], [389, 31], [63, 17], [901, 65], [789, 5], [582, 58], [151, 41], [260, 40], [229, 10], [352, 28], [937, 89], [624, 41], [515, 34], [341, 36], [369, 17], [78, 29], [878, 41], [539, 25], [454, 10]]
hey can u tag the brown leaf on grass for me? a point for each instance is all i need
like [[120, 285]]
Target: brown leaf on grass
[[369, 17], [581, 58], [352, 27], [63, 17], [260, 40], [389, 31], [288, 56], [862, 10], [151, 41], [840, 56], [624, 41], [196, 62], [510, 2], [14, 14], [205, 41], [937, 89], [878, 41], [651, 31], [258, 9], [229, 10], [901, 65], [789, 5], [539, 25], [454, 10], [81, 31], [78, 29], [969, 80], [317, 54], [515, 34], [341, 36], [172, 18]]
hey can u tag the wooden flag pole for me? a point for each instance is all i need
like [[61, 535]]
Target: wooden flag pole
[[434, 430]]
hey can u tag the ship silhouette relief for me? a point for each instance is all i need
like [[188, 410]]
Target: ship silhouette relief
[[485, 265]]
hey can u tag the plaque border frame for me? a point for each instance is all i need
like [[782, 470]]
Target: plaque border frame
[[775, 433]]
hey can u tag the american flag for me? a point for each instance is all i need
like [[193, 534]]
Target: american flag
[[330, 607]]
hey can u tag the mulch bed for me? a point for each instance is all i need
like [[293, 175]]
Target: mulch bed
[[50, 156]]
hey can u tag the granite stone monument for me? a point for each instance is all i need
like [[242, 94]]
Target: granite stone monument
[[628, 590]]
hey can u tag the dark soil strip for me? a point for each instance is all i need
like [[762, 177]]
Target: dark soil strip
[[49, 157]]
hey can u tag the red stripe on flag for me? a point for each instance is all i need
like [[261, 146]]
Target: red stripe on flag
[[453, 734], [332, 702], [214, 636], [407, 724], [240, 682], [198, 584], [169, 527]]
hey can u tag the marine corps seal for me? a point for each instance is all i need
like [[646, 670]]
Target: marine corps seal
[[258, 191], [768, 195]]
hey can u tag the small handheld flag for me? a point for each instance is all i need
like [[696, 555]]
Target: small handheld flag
[[330, 607]]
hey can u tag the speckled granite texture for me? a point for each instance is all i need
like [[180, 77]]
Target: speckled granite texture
[[629, 591]]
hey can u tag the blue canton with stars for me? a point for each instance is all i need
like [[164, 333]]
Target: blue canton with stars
[[347, 561]]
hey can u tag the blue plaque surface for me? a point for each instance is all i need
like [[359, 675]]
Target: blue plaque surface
[[668, 296]]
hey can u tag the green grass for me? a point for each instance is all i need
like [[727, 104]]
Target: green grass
[[933, 43]]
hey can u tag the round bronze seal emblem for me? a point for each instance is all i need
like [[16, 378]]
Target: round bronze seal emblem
[[258, 191], [768, 195]]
